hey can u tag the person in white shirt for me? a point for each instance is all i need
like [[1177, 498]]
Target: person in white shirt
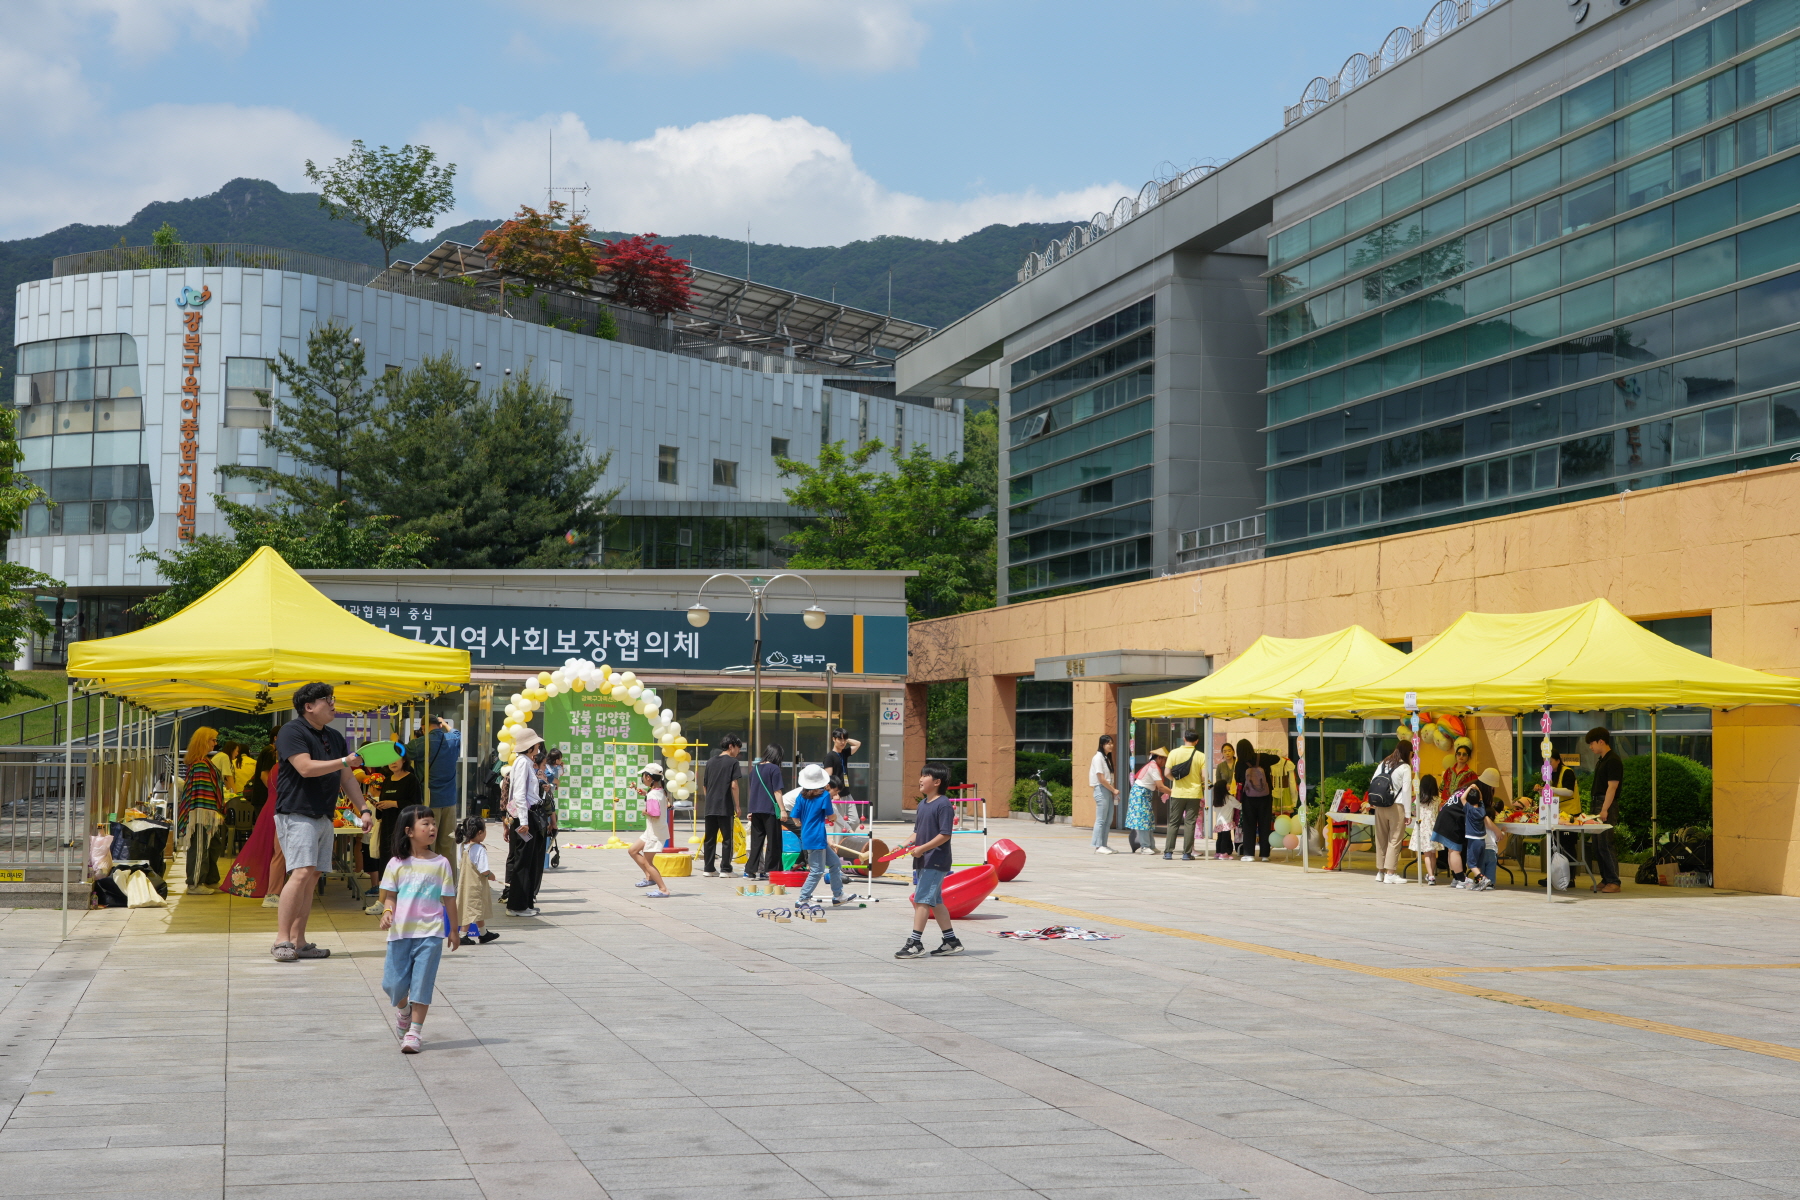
[[1391, 819], [1106, 789]]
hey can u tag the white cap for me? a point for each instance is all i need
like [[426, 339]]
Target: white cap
[[654, 769]]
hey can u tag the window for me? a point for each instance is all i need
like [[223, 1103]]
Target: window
[[666, 459], [778, 447], [95, 367], [391, 371], [244, 378], [724, 473], [862, 419]]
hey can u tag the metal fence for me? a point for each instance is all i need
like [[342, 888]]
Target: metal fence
[[42, 802], [558, 310], [214, 254]]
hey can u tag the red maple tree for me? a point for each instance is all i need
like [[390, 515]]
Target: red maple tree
[[636, 272]]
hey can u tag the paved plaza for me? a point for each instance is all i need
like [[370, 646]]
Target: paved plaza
[[1255, 1031]]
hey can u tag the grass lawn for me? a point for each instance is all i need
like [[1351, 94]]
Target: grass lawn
[[37, 728]]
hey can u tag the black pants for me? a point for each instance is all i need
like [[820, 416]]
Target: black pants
[[1222, 839], [203, 855], [1257, 823], [765, 844], [1602, 844], [718, 828], [524, 871]]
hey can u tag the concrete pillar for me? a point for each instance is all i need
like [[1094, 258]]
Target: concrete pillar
[[917, 710], [1096, 714], [993, 724]]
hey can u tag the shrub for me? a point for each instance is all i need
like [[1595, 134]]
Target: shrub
[[1056, 768], [1683, 794]]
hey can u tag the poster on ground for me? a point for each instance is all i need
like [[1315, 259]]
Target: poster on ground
[[600, 763]]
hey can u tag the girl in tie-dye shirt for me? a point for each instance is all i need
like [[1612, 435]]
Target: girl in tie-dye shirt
[[418, 910]]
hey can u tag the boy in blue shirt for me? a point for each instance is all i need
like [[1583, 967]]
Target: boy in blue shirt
[[932, 826], [810, 805]]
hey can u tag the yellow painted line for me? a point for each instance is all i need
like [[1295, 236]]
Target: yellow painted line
[[1434, 978]]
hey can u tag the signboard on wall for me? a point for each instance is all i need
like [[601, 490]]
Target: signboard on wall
[[642, 639], [600, 763]]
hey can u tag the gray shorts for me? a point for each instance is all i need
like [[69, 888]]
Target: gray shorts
[[305, 841]]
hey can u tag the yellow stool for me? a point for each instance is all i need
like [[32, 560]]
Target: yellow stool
[[675, 865]]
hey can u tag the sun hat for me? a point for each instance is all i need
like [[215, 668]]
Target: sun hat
[[812, 775], [1160, 752], [654, 769], [1463, 743], [526, 741], [1491, 777]]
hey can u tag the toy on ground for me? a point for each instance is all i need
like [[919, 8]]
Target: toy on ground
[[856, 851], [1007, 858], [788, 878], [674, 864], [964, 890]]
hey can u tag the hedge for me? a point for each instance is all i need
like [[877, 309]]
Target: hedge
[[1025, 789]]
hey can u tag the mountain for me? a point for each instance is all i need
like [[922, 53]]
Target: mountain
[[933, 282]]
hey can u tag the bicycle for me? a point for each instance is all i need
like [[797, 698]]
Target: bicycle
[[1043, 804]]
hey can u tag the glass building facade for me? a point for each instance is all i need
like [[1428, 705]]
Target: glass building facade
[[80, 413], [1080, 446], [1598, 294]]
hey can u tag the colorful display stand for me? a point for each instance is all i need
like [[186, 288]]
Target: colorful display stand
[[606, 746]]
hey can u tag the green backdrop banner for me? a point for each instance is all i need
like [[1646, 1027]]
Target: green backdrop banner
[[600, 767]]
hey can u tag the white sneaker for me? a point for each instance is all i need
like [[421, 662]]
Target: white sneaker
[[1381, 877], [710, 874], [1104, 850], [273, 901], [1396, 879], [374, 910], [726, 875], [1249, 858]]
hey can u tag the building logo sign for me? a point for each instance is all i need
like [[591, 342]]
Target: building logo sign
[[187, 474]]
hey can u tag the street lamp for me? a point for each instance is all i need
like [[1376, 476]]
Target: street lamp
[[814, 616]]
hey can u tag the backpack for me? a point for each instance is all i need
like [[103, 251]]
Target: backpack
[[1381, 788], [1184, 768], [1256, 782]]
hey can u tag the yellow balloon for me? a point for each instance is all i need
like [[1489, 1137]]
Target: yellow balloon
[[505, 735], [543, 677], [605, 670], [577, 686]]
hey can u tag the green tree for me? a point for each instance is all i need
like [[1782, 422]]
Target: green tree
[[329, 401], [494, 481], [921, 517], [20, 617], [306, 537], [391, 192], [981, 454]]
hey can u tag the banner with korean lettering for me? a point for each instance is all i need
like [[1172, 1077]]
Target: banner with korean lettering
[[642, 639], [600, 763]]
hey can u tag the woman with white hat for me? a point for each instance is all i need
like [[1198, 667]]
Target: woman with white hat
[[656, 831], [524, 844]]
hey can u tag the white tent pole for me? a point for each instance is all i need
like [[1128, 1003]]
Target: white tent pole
[[68, 802]]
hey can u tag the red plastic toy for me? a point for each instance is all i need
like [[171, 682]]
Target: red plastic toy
[[964, 890], [1008, 858], [788, 878]]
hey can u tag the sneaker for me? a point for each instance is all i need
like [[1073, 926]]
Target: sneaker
[[914, 948], [522, 912], [487, 937], [1429, 881], [643, 883], [284, 952], [1398, 879], [710, 874], [1461, 885], [272, 901], [411, 1043], [374, 910], [837, 901], [1168, 855], [947, 947], [1104, 850], [1222, 857], [1187, 858], [1249, 858]]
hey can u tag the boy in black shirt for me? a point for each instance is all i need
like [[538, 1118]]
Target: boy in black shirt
[[1609, 777], [932, 826]]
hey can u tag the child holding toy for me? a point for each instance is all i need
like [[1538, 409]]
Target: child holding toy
[[932, 825], [418, 903]]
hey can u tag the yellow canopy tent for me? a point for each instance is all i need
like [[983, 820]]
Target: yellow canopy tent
[[251, 641], [1263, 681], [1586, 658]]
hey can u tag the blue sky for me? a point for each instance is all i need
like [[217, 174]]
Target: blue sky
[[817, 121]]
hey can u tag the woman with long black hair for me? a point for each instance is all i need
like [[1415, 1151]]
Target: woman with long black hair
[[1101, 779], [764, 807], [1257, 796]]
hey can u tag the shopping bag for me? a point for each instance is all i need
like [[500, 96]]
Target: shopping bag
[[742, 842], [141, 893], [1559, 871], [100, 855]]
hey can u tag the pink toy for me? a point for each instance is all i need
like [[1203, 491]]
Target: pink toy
[[964, 890], [1008, 858]]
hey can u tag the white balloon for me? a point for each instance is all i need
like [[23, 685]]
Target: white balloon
[[675, 728], [515, 698], [668, 716], [634, 691], [554, 689], [629, 677]]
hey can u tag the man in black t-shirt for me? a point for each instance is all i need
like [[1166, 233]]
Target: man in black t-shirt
[[1609, 777], [721, 791], [314, 763], [837, 759]]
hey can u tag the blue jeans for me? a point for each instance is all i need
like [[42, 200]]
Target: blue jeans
[[1476, 855], [1103, 808], [411, 970], [819, 862]]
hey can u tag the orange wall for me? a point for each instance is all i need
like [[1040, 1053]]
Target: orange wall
[[1726, 546]]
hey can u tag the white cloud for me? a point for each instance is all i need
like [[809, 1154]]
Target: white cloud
[[842, 35], [143, 28], [793, 181]]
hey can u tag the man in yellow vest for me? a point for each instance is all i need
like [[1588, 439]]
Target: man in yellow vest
[[1186, 773]]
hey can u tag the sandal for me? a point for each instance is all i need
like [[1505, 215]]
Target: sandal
[[778, 915]]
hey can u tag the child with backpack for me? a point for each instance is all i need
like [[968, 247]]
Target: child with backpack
[[1258, 799]]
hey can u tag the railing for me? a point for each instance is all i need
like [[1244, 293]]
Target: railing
[[34, 805], [1221, 544], [1128, 208], [213, 254], [1445, 17], [49, 724]]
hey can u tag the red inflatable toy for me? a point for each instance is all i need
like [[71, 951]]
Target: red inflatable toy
[[1008, 858], [788, 878], [964, 890]]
